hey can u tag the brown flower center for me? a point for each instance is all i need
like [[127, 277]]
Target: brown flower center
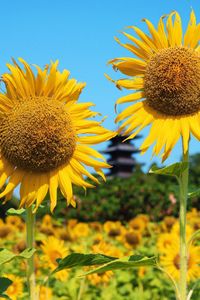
[[132, 239], [37, 135], [172, 81]]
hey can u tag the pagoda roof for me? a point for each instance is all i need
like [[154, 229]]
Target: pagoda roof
[[121, 147], [122, 161]]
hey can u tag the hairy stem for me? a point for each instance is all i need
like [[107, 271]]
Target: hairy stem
[[30, 231], [182, 218]]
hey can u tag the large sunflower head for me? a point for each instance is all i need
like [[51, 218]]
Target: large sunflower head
[[45, 135], [165, 77]]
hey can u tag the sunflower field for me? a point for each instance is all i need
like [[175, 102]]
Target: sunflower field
[[132, 239], [55, 239]]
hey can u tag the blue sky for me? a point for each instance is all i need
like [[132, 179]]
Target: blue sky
[[81, 35]]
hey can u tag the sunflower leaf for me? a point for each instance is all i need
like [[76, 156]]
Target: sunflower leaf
[[15, 212], [27, 253], [4, 284], [7, 256], [171, 170], [80, 260], [127, 262]]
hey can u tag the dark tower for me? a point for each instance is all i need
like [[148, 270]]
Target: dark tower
[[121, 158]]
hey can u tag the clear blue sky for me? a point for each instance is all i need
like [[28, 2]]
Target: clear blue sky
[[81, 35]]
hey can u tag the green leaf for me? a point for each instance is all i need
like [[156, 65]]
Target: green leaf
[[4, 284], [4, 297], [15, 212], [127, 262], [7, 256], [171, 170], [80, 260], [27, 253], [194, 194]]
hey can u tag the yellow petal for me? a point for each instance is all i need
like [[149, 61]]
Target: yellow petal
[[53, 185]]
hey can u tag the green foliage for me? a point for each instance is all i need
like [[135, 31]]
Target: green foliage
[[107, 263], [127, 262], [7, 255], [16, 212], [4, 284], [80, 260], [171, 170], [122, 199]]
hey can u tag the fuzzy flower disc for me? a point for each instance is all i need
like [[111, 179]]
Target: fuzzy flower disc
[[172, 81], [37, 135]]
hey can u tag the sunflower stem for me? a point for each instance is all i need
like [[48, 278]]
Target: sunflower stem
[[30, 233], [182, 219]]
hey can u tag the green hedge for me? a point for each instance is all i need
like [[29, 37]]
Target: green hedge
[[122, 199]]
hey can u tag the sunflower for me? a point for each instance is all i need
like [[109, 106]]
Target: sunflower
[[53, 249], [166, 240], [80, 230], [113, 229], [171, 262], [43, 143], [131, 239], [138, 224], [15, 290], [164, 76], [45, 293], [176, 230]]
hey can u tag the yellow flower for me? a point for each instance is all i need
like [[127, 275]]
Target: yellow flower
[[113, 229], [43, 142], [47, 225], [168, 223], [15, 221], [19, 246], [165, 240], [97, 238], [166, 74], [45, 293], [100, 278], [15, 290], [138, 224], [142, 272], [131, 238], [5, 230], [107, 249], [96, 226], [171, 262], [194, 213], [176, 229], [80, 230], [52, 250]]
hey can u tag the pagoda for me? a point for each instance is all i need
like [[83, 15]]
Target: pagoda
[[121, 159]]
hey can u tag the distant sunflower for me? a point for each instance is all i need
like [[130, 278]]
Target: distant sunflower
[[166, 75], [53, 249], [42, 142], [171, 262], [15, 290]]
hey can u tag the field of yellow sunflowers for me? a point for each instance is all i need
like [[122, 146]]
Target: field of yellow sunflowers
[[56, 239]]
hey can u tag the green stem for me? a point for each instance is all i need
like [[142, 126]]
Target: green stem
[[30, 232], [182, 218], [81, 289]]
